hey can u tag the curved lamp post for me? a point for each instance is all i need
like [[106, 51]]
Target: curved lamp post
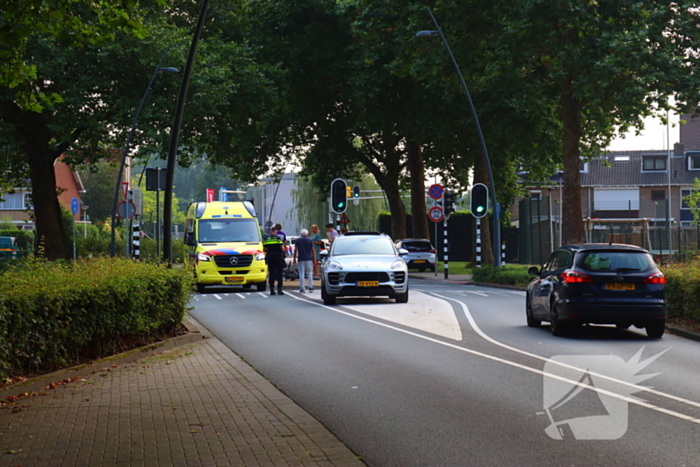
[[128, 143], [496, 247], [175, 138]]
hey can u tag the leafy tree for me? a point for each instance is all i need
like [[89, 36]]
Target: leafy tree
[[693, 201], [605, 64], [75, 23], [99, 181]]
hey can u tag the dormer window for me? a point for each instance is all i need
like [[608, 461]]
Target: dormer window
[[651, 163], [693, 160]]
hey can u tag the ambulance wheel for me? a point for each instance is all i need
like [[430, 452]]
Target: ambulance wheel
[[201, 288], [261, 286]]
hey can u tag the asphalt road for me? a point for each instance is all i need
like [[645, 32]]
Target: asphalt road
[[456, 378]]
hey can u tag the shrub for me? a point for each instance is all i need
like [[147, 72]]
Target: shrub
[[683, 290], [507, 275], [57, 313]]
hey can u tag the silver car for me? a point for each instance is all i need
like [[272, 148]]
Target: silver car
[[363, 264]]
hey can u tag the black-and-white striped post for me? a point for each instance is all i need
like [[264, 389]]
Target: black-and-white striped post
[[136, 240], [445, 249], [478, 242], [503, 253]]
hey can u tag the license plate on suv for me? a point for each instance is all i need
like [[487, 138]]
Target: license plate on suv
[[234, 279], [368, 284]]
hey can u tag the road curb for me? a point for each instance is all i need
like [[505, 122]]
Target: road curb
[[39, 382], [683, 332]]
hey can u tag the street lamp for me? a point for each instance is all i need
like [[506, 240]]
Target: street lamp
[[128, 143], [496, 247]]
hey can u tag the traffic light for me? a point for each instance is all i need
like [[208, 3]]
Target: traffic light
[[356, 191], [348, 191], [448, 203], [479, 203], [339, 196]]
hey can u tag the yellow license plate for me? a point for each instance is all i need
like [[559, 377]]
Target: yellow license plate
[[368, 284], [419, 261], [234, 279], [619, 286]]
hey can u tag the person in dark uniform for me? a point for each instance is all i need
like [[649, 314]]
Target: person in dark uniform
[[274, 257]]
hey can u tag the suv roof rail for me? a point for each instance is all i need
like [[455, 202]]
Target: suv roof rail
[[361, 232]]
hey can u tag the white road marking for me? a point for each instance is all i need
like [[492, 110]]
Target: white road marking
[[217, 297], [421, 312], [478, 293], [630, 400], [240, 295], [481, 333]]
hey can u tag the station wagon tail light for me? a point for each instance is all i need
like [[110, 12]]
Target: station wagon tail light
[[431, 251], [574, 277], [657, 278]]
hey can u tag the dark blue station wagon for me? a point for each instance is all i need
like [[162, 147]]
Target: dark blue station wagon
[[598, 284]]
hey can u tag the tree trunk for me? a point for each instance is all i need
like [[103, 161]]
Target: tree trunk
[[418, 207], [51, 233], [398, 209], [572, 219], [481, 176]]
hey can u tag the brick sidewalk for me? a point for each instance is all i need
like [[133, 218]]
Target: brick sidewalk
[[196, 405]]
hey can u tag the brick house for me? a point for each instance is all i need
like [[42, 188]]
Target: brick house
[[14, 208]]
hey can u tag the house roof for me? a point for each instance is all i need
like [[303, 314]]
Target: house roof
[[606, 171]]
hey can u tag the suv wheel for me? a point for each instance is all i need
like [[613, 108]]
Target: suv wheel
[[328, 299], [402, 297]]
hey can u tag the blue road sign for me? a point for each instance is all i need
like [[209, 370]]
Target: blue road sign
[[435, 191], [74, 205]]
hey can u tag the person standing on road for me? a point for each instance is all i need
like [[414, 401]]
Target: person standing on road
[[331, 232], [318, 244], [274, 258], [304, 250]]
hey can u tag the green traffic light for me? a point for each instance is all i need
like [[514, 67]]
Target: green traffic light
[[340, 205], [479, 209]]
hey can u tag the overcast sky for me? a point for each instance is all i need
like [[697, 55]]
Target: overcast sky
[[654, 136]]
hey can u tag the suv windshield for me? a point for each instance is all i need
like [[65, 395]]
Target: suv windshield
[[613, 261], [229, 230], [363, 246]]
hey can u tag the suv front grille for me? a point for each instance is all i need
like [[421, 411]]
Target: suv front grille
[[366, 276], [242, 261], [399, 277], [334, 278]]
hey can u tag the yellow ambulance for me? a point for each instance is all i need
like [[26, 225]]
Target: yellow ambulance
[[225, 244]]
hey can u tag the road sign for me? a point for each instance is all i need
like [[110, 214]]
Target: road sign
[[435, 191], [344, 219], [74, 205], [126, 209], [125, 189], [435, 214]]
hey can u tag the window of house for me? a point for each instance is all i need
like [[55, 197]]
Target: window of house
[[535, 195], [684, 203], [13, 201], [658, 195], [693, 161], [654, 163], [583, 167]]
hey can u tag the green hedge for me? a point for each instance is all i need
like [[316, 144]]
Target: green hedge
[[53, 314], [683, 290], [509, 274]]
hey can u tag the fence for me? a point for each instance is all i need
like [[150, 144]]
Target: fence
[[540, 233]]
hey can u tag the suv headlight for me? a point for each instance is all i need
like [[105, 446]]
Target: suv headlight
[[260, 257], [203, 257], [335, 266], [398, 264]]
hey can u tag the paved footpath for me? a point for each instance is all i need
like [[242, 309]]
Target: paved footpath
[[195, 405]]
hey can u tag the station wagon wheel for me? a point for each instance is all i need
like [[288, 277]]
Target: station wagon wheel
[[532, 322], [655, 330], [557, 327]]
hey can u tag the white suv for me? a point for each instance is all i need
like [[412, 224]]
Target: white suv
[[363, 264]]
